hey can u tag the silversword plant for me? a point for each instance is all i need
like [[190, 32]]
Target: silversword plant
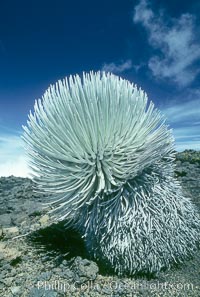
[[107, 156]]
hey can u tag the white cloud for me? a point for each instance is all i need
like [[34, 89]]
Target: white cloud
[[176, 41], [12, 156], [117, 68], [184, 112], [184, 118]]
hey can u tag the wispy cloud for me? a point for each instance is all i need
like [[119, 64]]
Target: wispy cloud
[[175, 42], [117, 68], [184, 118], [12, 156], [184, 112]]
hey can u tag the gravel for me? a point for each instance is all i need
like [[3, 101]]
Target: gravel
[[39, 257]]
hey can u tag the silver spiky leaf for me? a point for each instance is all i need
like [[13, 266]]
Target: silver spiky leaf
[[107, 156]]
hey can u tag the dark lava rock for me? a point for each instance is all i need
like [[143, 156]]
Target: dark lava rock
[[188, 173], [84, 270]]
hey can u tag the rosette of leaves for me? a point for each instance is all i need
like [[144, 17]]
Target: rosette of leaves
[[106, 156]]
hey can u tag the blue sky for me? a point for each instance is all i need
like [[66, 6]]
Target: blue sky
[[155, 44]]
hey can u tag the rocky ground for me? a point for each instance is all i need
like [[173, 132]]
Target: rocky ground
[[41, 258]]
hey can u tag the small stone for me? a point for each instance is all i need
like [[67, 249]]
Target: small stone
[[3, 274], [1, 286], [8, 254], [11, 232], [107, 291], [2, 246], [44, 220], [5, 219], [15, 290], [64, 262], [56, 270], [67, 273], [37, 226], [8, 281], [84, 270], [7, 267], [40, 292], [45, 276], [13, 272]]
